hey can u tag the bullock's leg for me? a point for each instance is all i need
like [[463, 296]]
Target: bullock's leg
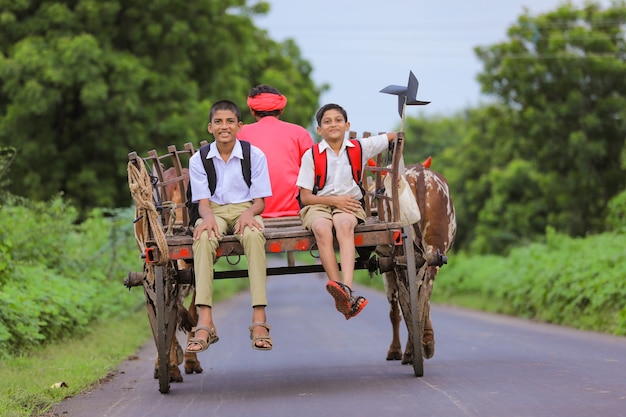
[[395, 349], [405, 306], [176, 358], [192, 364], [428, 337]]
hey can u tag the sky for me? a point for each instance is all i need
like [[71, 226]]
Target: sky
[[359, 47]]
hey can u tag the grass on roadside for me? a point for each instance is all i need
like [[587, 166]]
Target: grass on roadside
[[27, 380]]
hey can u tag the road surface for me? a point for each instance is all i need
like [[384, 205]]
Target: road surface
[[322, 365]]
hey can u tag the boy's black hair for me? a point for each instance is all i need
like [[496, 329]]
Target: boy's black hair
[[224, 105], [329, 106]]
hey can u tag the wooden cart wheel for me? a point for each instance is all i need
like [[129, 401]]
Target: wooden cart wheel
[[160, 303], [163, 348], [414, 293]]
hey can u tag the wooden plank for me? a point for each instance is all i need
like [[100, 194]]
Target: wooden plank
[[281, 240]]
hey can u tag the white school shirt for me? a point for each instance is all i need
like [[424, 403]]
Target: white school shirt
[[339, 179], [231, 187]]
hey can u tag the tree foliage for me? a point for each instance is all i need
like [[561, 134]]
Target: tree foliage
[[6, 157], [84, 82], [430, 136], [549, 151]]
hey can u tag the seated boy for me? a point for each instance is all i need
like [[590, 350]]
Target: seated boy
[[338, 204], [233, 207]]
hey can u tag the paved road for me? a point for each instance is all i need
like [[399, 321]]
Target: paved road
[[323, 365]]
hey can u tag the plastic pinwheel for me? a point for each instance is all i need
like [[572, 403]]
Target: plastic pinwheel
[[407, 96]]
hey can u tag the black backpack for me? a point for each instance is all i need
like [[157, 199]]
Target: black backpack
[[246, 170]]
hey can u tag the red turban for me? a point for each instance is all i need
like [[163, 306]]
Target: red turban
[[267, 102]]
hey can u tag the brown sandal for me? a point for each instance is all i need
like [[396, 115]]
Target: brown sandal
[[267, 338], [204, 344]]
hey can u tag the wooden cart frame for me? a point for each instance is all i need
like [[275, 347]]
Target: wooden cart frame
[[283, 235]]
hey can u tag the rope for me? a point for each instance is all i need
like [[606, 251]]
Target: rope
[[171, 207], [141, 191]]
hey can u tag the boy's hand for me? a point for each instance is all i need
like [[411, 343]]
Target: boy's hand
[[347, 203], [210, 225], [247, 219]]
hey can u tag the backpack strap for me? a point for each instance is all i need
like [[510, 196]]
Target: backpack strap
[[246, 168], [354, 154], [319, 164], [356, 161], [209, 167]]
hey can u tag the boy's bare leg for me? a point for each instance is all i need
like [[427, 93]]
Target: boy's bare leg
[[344, 226], [323, 231]]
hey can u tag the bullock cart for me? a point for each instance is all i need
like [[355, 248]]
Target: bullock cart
[[165, 242]]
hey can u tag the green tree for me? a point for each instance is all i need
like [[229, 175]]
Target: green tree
[[84, 82], [6, 157], [491, 186], [561, 78], [429, 136]]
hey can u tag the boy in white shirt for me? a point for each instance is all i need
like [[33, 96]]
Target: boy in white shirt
[[338, 204]]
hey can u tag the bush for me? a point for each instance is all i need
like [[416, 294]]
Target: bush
[[569, 281], [59, 276]]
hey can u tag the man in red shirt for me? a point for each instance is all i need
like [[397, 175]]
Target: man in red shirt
[[282, 143]]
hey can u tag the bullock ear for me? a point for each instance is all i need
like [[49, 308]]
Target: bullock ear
[[427, 162]]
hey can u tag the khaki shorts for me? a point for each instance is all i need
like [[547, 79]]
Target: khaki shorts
[[309, 214]]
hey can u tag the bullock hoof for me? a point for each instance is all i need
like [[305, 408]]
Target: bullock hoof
[[428, 349], [407, 358], [394, 355], [175, 375], [428, 344], [428, 341], [192, 365]]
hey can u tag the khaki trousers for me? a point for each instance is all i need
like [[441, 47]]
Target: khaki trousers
[[253, 242]]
